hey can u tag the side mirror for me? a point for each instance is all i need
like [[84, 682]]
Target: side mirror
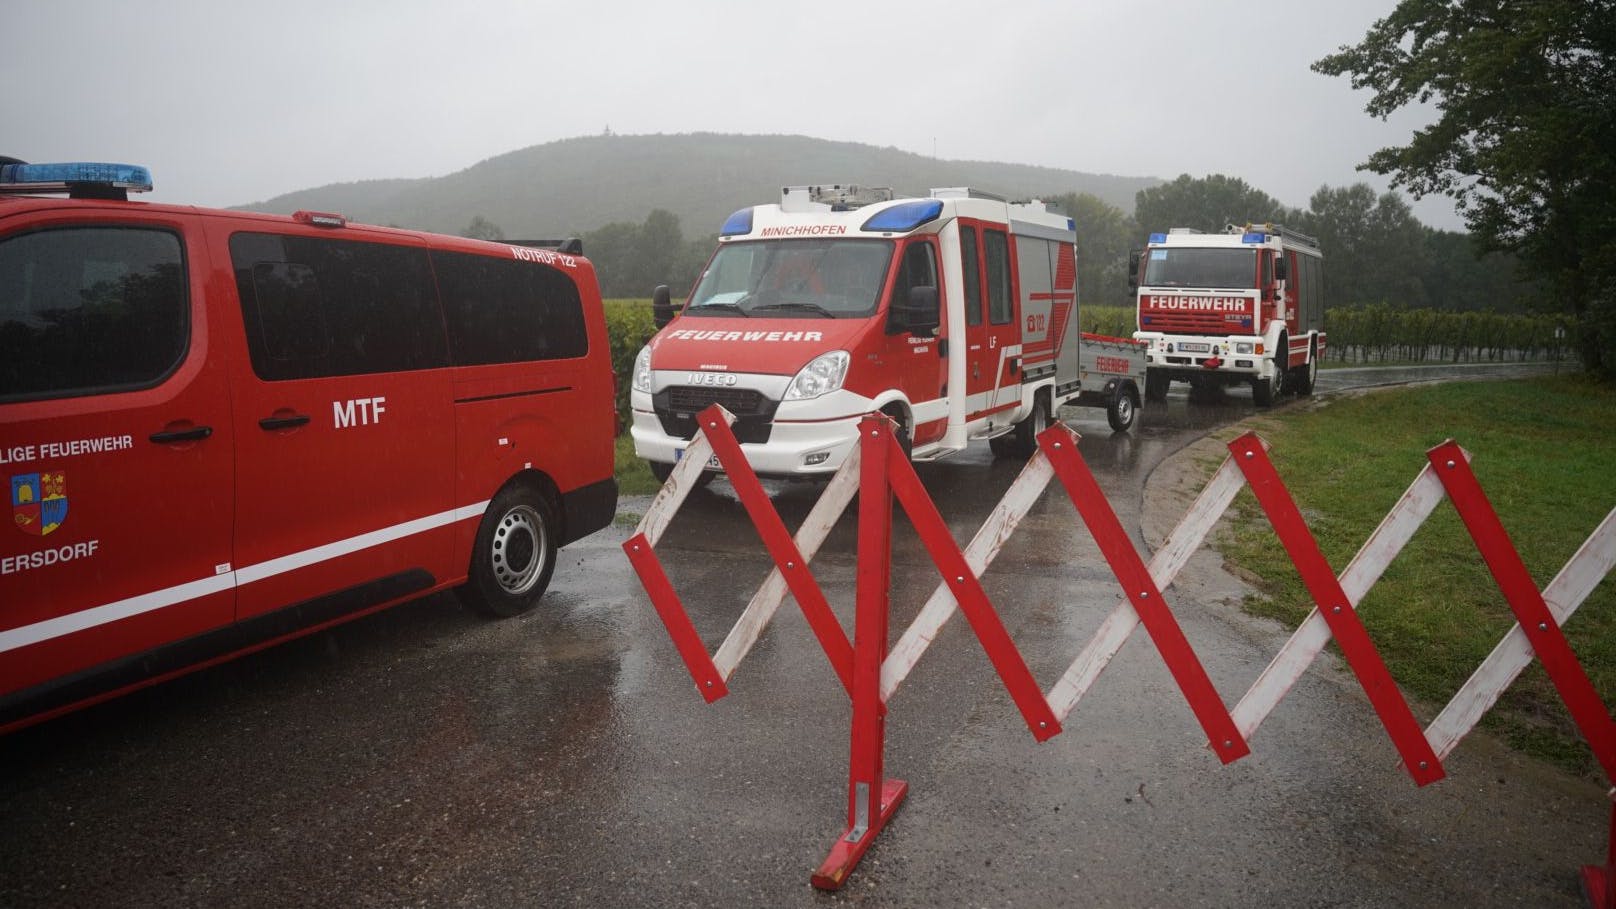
[[1133, 269], [1281, 269], [661, 306], [918, 314]]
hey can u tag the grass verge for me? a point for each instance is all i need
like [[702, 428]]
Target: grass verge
[[1541, 449]]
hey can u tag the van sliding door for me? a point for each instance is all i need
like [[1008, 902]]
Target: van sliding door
[[344, 425]]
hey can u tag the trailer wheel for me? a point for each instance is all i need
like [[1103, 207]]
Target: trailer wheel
[[1124, 409], [1156, 383], [514, 553], [1307, 376]]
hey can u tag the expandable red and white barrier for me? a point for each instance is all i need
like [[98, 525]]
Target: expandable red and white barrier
[[878, 470]]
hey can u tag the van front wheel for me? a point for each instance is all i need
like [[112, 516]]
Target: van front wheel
[[514, 553]]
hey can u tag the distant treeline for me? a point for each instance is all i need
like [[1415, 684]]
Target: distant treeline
[[1376, 252]]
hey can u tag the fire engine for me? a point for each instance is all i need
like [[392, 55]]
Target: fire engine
[[955, 314], [221, 429], [1242, 306]]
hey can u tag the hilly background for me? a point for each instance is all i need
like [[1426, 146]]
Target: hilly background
[[573, 186]]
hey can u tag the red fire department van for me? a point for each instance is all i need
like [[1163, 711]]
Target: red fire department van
[[1242, 306], [954, 314], [219, 430]]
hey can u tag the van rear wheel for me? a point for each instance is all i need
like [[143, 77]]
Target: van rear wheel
[[514, 554], [1027, 430]]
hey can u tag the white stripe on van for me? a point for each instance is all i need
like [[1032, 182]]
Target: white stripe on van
[[111, 612], [171, 596]]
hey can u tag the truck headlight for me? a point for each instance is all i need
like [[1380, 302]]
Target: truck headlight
[[1242, 347], [822, 375], [642, 370]]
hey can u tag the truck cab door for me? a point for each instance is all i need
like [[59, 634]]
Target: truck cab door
[[918, 367], [1290, 299]]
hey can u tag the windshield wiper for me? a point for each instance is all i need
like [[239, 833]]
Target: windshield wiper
[[802, 305], [727, 307]]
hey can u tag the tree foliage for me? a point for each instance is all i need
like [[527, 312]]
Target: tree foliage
[[1207, 203], [1374, 247], [1104, 235], [632, 259], [1525, 139], [481, 228]]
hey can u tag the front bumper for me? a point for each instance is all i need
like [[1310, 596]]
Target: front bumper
[[815, 448], [1188, 356], [789, 438]]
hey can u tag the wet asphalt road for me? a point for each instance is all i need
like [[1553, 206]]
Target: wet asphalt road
[[427, 757]]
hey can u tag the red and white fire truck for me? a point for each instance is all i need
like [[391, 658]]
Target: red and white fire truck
[[1243, 306], [955, 314]]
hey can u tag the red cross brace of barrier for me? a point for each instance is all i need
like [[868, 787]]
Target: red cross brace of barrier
[[877, 469]]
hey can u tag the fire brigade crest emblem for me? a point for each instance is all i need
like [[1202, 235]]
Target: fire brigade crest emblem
[[39, 502]]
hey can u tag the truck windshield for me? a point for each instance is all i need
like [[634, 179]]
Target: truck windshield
[[837, 279], [1189, 267]]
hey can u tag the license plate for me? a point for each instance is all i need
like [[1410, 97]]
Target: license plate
[[1193, 347], [712, 460]]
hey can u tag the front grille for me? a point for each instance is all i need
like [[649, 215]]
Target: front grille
[[676, 409], [1194, 323], [738, 401]]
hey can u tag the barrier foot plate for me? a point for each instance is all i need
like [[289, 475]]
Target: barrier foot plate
[[1595, 885], [845, 854]]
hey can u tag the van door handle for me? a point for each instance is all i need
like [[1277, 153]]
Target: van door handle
[[194, 434], [272, 423]]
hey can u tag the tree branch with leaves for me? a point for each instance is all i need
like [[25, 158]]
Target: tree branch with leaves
[[1524, 140]]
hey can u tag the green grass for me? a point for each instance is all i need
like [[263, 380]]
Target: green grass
[[1541, 449]]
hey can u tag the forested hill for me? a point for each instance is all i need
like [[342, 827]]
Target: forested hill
[[573, 186]]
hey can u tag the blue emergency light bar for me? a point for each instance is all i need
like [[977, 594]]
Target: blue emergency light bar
[[738, 223], [1253, 236], [1158, 238], [905, 216], [59, 177]]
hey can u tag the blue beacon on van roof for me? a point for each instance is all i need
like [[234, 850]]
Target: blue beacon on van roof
[[44, 177]]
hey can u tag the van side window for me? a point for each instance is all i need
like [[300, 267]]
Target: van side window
[[318, 307], [90, 309], [972, 276], [918, 269], [507, 311], [998, 262]]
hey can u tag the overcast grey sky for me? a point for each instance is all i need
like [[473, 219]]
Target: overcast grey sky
[[232, 102]]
